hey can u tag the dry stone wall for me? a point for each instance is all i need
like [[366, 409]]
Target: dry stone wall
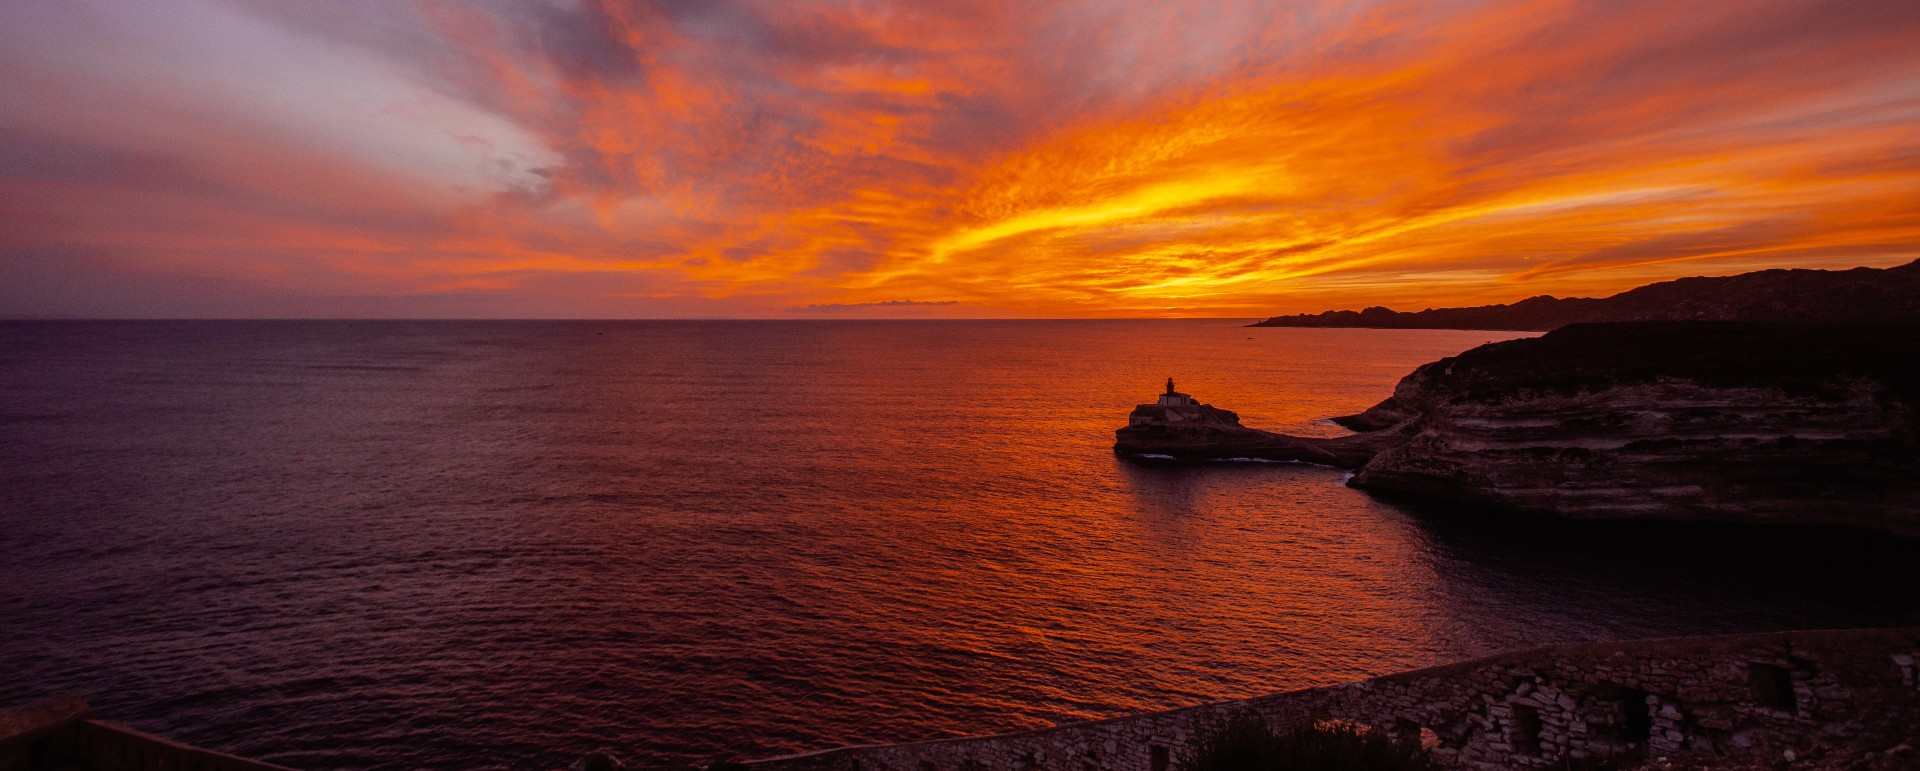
[[60, 734], [1848, 697]]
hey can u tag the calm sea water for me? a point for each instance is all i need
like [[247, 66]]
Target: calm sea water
[[468, 545]]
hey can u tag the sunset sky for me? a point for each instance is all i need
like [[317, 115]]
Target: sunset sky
[[527, 158]]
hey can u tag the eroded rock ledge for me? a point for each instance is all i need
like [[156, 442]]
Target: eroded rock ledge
[[1180, 428], [1838, 699], [1800, 424]]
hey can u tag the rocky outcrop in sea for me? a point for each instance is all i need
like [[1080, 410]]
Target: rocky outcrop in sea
[[1801, 424], [1180, 428]]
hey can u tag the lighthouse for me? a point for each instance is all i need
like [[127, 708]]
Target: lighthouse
[[1174, 398]]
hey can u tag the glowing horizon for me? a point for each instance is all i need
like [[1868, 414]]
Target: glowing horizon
[[742, 159]]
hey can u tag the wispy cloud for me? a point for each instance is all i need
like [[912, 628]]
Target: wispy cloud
[[1080, 158], [870, 306]]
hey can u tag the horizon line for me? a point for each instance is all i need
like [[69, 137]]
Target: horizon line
[[622, 319]]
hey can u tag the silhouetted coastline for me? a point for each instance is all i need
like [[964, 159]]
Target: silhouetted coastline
[[1859, 295]]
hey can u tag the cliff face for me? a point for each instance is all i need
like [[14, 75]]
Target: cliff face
[[1802, 424], [1858, 295], [1805, 424]]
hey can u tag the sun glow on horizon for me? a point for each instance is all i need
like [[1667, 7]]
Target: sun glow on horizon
[[1084, 158]]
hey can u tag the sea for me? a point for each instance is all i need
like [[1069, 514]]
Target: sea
[[458, 545]]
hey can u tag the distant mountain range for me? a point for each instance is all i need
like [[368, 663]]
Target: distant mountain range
[[1856, 295]]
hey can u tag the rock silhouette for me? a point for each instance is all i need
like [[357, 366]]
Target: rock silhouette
[[1803, 424], [1860, 295]]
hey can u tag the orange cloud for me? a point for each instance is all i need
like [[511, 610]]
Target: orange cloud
[[979, 158]]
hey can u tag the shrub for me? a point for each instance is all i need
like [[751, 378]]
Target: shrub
[[1244, 742]]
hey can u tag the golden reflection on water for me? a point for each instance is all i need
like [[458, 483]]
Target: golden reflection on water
[[422, 541]]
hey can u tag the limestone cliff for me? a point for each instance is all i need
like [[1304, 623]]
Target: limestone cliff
[[1804, 424], [1764, 423]]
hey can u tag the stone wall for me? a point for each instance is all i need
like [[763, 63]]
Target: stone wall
[[60, 735], [1823, 699]]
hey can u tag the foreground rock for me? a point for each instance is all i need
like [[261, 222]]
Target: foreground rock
[[1787, 424], [63, 734], [1709, 422], [1814, 700], [1859, 295]]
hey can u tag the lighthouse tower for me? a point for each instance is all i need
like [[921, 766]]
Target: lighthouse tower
[[1174, 398]]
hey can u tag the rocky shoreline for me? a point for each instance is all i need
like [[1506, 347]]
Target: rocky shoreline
[[1803, 699], [1810, 699], [1791, 424]]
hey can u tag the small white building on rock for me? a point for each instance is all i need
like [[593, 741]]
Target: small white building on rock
[[1174, 398], [1175, 409]]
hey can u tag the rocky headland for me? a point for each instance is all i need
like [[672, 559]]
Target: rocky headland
[[1861, 295], [1180, 428], [1773, 423]]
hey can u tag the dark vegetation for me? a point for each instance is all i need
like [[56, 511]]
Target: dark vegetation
[[1860, 295], [1246, 743], [1820, 360], [1802, 358]]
